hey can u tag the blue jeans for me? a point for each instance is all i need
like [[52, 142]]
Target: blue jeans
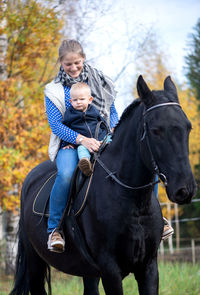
[[66, 162]]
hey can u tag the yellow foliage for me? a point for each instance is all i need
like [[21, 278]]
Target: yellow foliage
[[33, 33]]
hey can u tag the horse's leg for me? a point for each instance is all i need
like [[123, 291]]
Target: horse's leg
[[147, 278], [112, 284], [91, 286]]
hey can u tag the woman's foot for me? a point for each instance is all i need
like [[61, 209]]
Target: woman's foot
[[85, 166], [168, 230], [55, 242]]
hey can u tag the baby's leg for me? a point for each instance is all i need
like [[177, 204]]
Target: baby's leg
[[84, 160]]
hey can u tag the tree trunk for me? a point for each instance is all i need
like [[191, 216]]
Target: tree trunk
[[12, 221], [2, 263], [8, 220], [3, 48], [1, 225]]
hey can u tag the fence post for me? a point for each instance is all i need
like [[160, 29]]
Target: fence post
[[171, 250], [193, 251], [177, 228], [162, 251]]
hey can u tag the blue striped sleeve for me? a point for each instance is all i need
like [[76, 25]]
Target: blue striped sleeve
[[113, 116], [55, 121]]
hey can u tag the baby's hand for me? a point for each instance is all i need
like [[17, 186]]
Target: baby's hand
[[69, 146]]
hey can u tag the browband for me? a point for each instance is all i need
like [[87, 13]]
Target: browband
[[161, 105]]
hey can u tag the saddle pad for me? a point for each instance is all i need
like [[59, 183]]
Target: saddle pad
[[41, 202]]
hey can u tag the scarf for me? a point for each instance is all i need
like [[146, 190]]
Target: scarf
[[102, 87]]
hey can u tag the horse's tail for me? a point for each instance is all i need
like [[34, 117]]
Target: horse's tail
[[21, 279]]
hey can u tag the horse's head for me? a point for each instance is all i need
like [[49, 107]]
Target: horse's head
[[164, 140]]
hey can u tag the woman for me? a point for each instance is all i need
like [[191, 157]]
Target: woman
[[73, 69]]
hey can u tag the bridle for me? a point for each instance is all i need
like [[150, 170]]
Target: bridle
[[151, 162], [145, 140]]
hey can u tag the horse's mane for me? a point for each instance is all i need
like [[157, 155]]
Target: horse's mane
[[128, 110]]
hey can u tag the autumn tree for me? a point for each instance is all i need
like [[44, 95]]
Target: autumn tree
[[192, 68], [33, 35], [29, 35], [193, 61]]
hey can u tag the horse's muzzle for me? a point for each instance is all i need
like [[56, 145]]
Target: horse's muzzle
[[184, 194]]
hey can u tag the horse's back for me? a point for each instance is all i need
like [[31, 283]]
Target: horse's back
[[37, 177]]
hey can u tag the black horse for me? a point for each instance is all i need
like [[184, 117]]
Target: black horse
[[122, 222]]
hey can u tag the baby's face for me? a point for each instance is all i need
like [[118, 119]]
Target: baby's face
[[80, 100]]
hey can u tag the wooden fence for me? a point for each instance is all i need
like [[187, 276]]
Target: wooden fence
[[188, 251]]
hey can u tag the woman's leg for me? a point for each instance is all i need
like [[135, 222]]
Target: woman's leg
[[66, 162]]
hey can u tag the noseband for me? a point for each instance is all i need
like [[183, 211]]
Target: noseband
[[152, 163]]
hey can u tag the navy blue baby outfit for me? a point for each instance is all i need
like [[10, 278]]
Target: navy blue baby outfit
[[85, 122]]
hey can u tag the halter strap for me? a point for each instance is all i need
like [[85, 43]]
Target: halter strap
[[161, 105]]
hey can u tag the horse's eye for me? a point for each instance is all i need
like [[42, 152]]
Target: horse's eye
[[156, 131]]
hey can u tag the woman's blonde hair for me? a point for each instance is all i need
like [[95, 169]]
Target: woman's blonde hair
[[70, 45]]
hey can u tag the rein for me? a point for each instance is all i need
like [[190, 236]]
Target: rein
[[112, 175], [152, 160]]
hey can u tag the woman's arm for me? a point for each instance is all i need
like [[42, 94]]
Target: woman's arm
[[55, 121], [113, 116]]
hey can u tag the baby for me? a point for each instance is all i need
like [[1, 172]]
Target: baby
[[83, 118]]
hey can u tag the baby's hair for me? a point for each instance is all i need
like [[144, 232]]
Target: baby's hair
[[78, 86], [68, 46]]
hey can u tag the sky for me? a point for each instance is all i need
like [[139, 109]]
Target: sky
[[174, 20], [112, 41]]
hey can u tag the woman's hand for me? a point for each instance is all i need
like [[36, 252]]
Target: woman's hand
[[91, 144]]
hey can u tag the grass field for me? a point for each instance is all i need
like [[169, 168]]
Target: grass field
[[175, 279]]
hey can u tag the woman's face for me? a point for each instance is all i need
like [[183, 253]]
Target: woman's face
[[72, 64]]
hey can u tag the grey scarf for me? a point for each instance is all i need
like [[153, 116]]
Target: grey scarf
[[102, 87]]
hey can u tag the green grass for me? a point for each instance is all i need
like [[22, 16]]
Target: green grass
[[175, 279]]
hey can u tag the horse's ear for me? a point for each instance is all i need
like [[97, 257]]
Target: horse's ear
[[170, 87], [143, 91]]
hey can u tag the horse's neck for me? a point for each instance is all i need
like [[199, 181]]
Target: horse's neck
[[124, 159], [125, 154]]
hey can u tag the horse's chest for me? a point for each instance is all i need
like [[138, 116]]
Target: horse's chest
[[135, 245]]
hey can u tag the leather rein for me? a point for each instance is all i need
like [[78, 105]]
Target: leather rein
[[154, 166]]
